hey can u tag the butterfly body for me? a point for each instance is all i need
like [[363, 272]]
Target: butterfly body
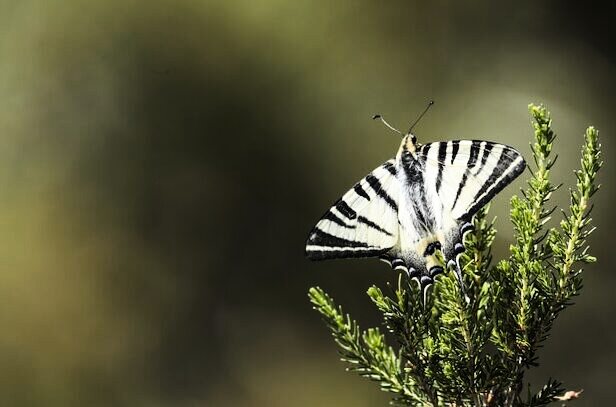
[[424, 225], [416, 205]]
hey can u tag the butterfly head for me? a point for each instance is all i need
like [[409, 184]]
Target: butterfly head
[[409, 143]]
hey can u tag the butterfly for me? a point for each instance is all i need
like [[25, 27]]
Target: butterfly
[[420, 202]]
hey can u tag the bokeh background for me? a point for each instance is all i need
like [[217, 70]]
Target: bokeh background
[[161, 163]]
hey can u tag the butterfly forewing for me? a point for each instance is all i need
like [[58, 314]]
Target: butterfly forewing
[[363, 223], [469, 173]]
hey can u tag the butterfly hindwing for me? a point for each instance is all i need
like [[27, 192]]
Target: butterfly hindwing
[[363, 223]]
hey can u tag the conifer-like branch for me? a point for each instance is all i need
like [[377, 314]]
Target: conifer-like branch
[[365, 352]]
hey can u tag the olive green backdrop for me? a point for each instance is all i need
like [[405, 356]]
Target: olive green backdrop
[[162, 162]]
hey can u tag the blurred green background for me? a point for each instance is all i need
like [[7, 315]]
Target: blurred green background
[[162, 162]]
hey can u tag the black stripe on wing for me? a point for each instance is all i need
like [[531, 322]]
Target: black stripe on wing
[[455, 148], [368, 222], [359, 190], [442, 148], [321, 238], [331, 216], [341, 252], [460, 188], [345, 209], [389, 166], [375, 184], [487, 149], [472, 159]]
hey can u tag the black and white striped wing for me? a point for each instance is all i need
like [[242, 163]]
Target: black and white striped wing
[[467, 174], [363, 223]]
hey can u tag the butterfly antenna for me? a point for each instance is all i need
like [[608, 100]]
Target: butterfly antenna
[[421, 115], [378, 116]]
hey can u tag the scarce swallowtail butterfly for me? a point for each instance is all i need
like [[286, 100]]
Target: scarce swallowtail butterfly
[[417, 203]]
